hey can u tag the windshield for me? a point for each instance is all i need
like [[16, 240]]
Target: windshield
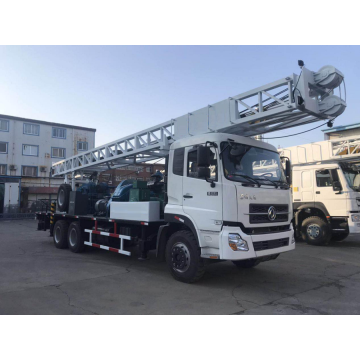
[[249, 164], [352, 175]]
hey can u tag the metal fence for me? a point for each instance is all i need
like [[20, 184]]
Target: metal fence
[[27, 211]]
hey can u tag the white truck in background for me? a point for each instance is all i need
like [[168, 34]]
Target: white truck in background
[[224, 195], [325, 178]]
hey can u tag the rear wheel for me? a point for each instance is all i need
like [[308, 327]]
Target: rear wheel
[[339, 237], [315, 231], [246, 264], [60, 234], [183, 257], [63, 197], [76, 237]]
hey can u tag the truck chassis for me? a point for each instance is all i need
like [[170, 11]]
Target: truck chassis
[[101, 232]]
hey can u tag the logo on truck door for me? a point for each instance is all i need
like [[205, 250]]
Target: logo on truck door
[[272, 213]]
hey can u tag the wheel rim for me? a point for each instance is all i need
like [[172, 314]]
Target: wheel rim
[[57, 235], [313, 231], [180, 257], [73, 237], [61, 197]]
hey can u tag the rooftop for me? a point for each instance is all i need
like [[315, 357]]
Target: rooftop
[[8, 117], [342, 128]]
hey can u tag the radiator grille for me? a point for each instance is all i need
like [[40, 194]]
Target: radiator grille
[[270, 244], [259, 218], [263, 208], [254, 219]]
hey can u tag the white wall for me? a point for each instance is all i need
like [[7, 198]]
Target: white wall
[[343, 133], [11, 195]]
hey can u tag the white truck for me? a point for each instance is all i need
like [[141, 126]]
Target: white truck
[[325, 181], [224, 195]]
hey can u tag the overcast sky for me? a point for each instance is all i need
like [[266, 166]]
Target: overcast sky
[[120, 90]]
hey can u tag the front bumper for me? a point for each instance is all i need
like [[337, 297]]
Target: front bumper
[[346, 224], [226, 253]]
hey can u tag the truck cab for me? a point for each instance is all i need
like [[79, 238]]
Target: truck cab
[[326, 201], [229, 195]]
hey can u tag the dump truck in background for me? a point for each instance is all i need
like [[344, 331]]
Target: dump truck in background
[[325, 179]]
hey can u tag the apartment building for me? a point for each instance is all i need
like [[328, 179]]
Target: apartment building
[[28, 148]]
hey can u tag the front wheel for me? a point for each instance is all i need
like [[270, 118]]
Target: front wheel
[[315, 231], [183, 257]]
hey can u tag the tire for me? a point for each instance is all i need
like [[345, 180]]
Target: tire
[[315, 231], [183, 257], [60, 234], [246, 264], [339, 237], [63, 197], [75, 238]]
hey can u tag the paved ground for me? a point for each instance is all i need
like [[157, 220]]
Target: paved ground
[[37, 278]]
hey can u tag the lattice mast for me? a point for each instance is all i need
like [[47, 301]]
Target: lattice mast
[[289, 102]]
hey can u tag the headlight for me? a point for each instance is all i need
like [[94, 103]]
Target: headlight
[[237, 243], [293, 238], [355, 217]]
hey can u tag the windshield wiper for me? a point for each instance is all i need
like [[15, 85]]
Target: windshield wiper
[[247, 177], [266, 178], [230, 141]]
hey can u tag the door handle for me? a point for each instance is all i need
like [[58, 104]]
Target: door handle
[[187, 196], [318, 192]]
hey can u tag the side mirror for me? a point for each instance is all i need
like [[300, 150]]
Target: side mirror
[[337, 186], [287, 168], [203, 156], [203, 173]]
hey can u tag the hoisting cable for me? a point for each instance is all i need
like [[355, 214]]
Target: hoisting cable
[[329, 124]]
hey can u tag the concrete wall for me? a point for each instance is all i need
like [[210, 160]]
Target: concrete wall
[[342, 133]]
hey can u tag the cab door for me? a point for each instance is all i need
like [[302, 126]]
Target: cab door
[[307, 186], [334, 201], [202, 202]]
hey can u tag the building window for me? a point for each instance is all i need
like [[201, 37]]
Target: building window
[[3, 169], [59, 133], [148, 169], [4, 125], [82, 146], [3, 147], [58, 153], [29, 171], [31, 129], [30, 150]]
